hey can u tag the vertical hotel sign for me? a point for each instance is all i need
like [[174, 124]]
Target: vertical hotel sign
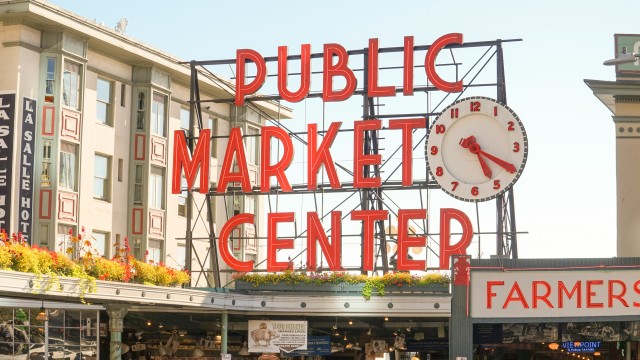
[[7, 117], [25, 214]]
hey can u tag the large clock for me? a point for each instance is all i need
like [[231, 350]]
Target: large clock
[[476, 149]]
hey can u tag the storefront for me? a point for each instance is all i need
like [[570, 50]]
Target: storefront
[[545, 308]]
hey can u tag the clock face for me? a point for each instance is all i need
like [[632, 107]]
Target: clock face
[[476, 149]]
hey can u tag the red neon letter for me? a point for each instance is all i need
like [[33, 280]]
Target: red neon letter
[[182, 159], [446, 249], [577, 290], [407, 85], [407, 126], [405, 241], [332, 251], [636, 289], [273, 243], [519, 296], [368, 218], [320, 155], [430, 63], [361, 160], [544, 297], [490, 293], [305, 74], [235, 146], [372, 74], [225, 253], [620, 296], [339, 69], [266, 169], [591, 294], [242, 89]]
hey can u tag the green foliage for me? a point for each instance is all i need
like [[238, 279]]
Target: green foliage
[[378, 284], [80, 260]]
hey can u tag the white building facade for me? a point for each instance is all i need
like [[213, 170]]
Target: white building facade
[[90, 139]]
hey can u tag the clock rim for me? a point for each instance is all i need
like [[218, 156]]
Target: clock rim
[[518, 173]]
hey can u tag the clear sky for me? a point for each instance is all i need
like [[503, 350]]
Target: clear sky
[[565, 200]]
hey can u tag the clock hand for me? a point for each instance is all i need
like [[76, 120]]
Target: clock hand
[[507, 166], [474, 148], [471, 144]]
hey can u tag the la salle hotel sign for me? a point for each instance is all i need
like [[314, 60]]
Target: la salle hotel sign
[[335, 65]]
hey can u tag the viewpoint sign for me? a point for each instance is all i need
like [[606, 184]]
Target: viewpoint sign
[[235, 172]]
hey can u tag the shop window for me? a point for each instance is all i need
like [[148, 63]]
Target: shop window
[[101, 177], [71, 82], [104, 102], [68, 166], [156, 188], [158, 115]]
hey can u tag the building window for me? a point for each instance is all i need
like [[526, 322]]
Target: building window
[[249, 204], [103, 102], [141, 110], [182, 198], [213, 125], [137, 187], [158, 114], [100, 241], [64, 244], [71, 85], [156, 188], [252, 144], [155, 251], [68, 166], [181, 256], [101, 166], [50, 82], [184, 120]]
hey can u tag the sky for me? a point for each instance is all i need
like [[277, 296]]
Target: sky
[[565, 200]]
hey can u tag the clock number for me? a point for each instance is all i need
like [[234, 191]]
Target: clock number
[[474, 106], [440, 129], [496, 184], [516, 147], [434, 150], [495, 111], [455, 185], [475, 191], [439, 171], [454, 113], [511, 124]]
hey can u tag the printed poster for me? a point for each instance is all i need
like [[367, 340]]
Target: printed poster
[[273, 336]]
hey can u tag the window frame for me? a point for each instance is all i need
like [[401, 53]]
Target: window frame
[[72, 85], [159, 120], [156, 188], [108, 103], [106, 196], [74, 169]]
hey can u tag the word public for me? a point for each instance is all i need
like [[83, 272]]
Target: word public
[[335, 65]]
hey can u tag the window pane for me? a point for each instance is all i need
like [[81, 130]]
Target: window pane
[[104, 91], [100, 243], [98, 188], [71, 85], [184, 119], [101, 177], [155, 251], [68, 167], [101, 166], [101, 113], [158, 108]]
